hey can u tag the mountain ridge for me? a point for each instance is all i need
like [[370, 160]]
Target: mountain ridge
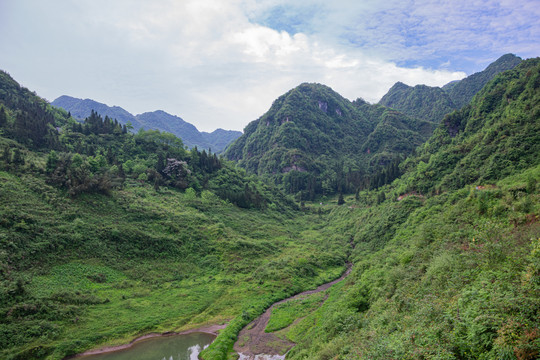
[[432, 103], [160, 120], [429, 103], [312, 134]]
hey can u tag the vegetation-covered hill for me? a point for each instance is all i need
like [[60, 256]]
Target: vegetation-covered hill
[[461, 92], [313, 141], [82, 108], [448, 266], [433, 103], [156, 120], [496, 135], [421, 101]]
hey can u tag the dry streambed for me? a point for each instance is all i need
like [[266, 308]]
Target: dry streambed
[[255, 344]]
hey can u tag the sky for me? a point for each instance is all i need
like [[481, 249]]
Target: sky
[[221, 63]]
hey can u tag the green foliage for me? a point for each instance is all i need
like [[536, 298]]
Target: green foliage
[[95, 268], [314, 142], [422, 102], [463, 91], [448, 281], [493, 137]]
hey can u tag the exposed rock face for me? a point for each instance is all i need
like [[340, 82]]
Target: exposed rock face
[[323, 106]]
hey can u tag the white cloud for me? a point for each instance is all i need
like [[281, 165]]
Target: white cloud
[[218, 64]]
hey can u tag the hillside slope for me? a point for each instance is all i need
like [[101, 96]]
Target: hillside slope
[[433, 103], [463, 91], [448, 266], [497, 134], [173, 124]]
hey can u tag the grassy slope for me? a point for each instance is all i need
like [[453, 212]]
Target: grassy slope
[[456, 278], [453, 274], [96, 270]]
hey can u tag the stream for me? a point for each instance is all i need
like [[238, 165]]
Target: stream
[[187, 346]]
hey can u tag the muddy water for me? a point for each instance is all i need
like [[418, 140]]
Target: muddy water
[[174, 347]]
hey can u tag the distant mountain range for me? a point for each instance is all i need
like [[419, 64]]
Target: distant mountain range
[[217, 140]]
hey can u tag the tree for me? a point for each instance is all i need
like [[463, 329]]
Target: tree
[[341, 201], [52, 161], [7, 154], [18, 158], [178, 171], [3, 117]]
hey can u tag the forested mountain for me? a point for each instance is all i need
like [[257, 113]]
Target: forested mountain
[[156, 120], [433, 103], [461, 92], [172, 124], [421, 101], [496, 135], [81, 109], [314, 141], [448, 266]]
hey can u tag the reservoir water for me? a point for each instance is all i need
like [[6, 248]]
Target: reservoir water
[[174, 347]]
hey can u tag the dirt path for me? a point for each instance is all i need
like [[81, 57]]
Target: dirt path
[[253, 342]]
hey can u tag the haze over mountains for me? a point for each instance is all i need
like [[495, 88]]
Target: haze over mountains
[[155, 120]]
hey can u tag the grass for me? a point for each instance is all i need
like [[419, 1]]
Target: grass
[[285, 314], [100, 270], [454, 277]]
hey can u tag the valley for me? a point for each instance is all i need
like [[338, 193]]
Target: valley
[[425, 227]]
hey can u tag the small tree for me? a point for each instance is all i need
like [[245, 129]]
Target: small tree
[[52, 161], [18, 157], [6, 154], [178, 171], [3, 117], [341, 201]]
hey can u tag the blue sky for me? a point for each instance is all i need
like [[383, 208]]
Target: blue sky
[[221, 63]]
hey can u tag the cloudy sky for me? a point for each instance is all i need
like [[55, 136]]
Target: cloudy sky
[[221, 63]]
